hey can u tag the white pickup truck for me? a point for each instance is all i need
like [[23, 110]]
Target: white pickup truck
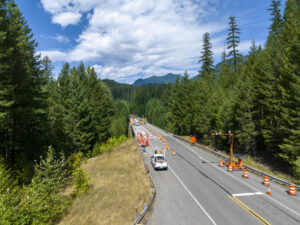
[[158, 161]]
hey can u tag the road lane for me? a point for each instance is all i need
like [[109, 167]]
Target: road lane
[[212, 187], [173, 205]]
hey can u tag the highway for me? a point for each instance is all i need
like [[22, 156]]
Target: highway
[[195, 190]]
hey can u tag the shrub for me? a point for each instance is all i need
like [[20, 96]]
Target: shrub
[[108, 146], [42, 202], [81, 180]]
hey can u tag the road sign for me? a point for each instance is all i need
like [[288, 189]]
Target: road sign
[[193, 139]]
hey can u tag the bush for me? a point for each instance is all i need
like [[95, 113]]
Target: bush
[[41, 202], [108, 146], [81, 180]]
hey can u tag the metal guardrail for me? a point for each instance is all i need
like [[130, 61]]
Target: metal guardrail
[[145, 210], [248, 167]]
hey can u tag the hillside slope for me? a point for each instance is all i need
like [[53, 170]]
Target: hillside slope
[[119, 182]]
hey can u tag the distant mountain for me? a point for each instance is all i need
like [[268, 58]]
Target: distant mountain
[[168, 78]]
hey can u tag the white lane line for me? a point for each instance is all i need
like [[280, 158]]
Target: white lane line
[[247, 194], [279, 203], [193, 197], [197, 154]]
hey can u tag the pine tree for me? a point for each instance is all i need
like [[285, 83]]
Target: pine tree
[[270, 98], [289, 86], [246, 118], [277, 22], [22, 101], [233, 41], [206, 58]]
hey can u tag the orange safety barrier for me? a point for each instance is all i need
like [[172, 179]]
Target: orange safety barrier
[[229, 168], [245, 174], [266, 181], [174, 153], [292, 190], [220, 163], [269, 191]]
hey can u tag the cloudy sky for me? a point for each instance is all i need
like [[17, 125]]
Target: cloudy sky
[[129, 39]]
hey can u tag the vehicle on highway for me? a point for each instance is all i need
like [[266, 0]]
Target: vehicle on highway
[[158, 161]]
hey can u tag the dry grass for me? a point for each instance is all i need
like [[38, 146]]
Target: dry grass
[[119, 182], [259, 165]]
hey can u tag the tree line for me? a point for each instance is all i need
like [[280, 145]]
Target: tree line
[[48, 126], [71, 113], [256, 97]]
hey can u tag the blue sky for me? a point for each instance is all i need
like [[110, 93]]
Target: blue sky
[[129, 39]]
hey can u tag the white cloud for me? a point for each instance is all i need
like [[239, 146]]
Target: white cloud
[[54, 55], [61, 38], [66, 18], [150, 37]]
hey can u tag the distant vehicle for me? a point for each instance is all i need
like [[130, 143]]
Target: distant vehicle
[[159, 162], [137, 124]]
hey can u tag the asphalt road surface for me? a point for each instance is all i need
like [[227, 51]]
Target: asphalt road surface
[[195, 190]]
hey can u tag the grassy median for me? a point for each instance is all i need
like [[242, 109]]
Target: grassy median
[[119, 182]]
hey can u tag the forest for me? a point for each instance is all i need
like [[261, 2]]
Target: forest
[[48, 125], [256, 97]]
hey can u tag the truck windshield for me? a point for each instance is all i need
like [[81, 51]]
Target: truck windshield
[[159, 158]]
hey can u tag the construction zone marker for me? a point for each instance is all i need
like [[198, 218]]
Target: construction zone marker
[[229, 168], [174, 152], [266, 181], [292, 190], [221, 163], [245, 174], [269, 191]]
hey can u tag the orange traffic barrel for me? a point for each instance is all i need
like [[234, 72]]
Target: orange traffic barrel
[[292, 190], [220, 163], [266, 181], [229, 168], [174, 153], [245, 174], [269, 191]]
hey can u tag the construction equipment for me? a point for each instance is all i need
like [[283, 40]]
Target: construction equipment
[[234, 165]]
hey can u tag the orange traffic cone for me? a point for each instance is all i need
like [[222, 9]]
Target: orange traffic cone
[[266, 181], [221, 163], [229, 168], [245, 174], [269, 191], [292, 190], [174, 153]]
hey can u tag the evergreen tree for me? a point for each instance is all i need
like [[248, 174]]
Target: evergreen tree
[[22, 106], [289, 87], [233, 41], [246, 120], [206, 58], [277, 21]]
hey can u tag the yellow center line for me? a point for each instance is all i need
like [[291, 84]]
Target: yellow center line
[[250, 211]]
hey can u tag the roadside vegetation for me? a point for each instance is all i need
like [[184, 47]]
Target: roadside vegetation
[[48, 126], [256, 96], [256, 162], [118, 184]]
